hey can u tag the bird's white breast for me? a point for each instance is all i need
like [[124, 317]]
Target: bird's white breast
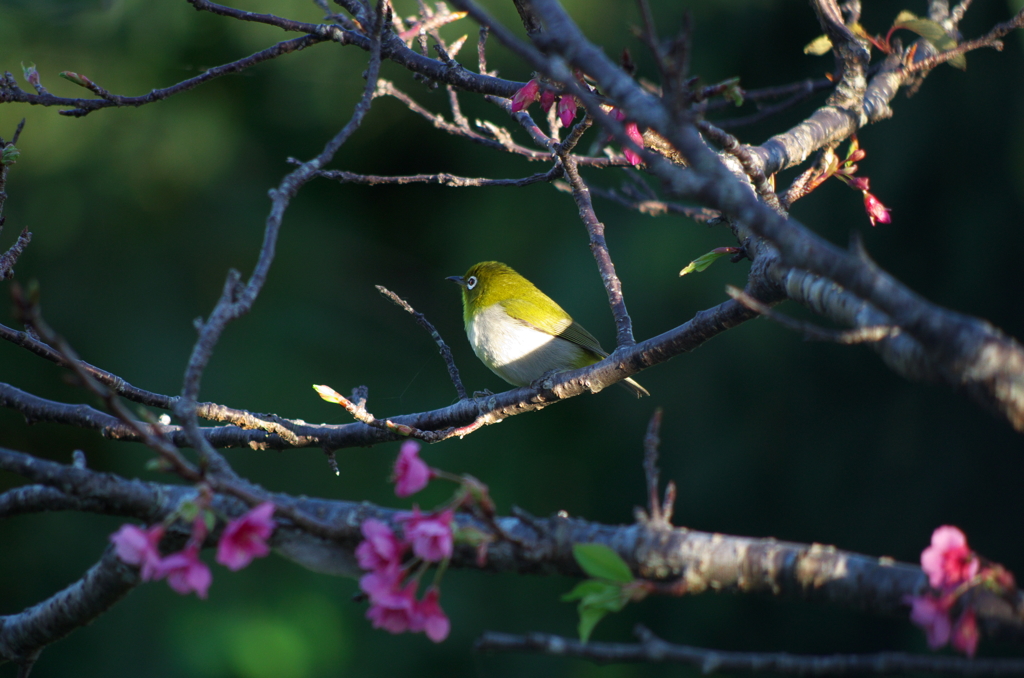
[[514, 351]]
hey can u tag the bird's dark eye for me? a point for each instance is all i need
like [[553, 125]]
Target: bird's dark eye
[[471, 282]]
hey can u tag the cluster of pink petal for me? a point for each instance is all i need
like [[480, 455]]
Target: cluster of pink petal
[[393, 604], [243, 539], [949, 564], [531, 92], [411, 473]]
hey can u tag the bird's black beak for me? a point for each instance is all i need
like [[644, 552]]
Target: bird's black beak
[[458, 279]]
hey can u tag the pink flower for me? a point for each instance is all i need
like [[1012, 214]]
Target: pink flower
[[411, 473], [547, 99], [393, 610], [948, 562], [525, 96], [381, 582], [431, 619], [877, 212], [965, 633], [567, 109], [430, 535], [136, 546], [246, 537], [931, 614], [634, 133], [381, 548], [185, 572]]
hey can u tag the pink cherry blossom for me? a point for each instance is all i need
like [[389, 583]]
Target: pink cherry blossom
[[185, 572], [431, 619], [525, 96], [136, 546], [411, 473], [380, 548], [430, 535], [932, 615], [965, 633], [877, 212], [394, 610], [245, 537], [948, 562], [567, 109]]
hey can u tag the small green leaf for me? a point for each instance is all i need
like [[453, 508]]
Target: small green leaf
[[933, 32], [599, 561], [702, 262], [588, 620], [9, 155], [584, 589], [820, 45]]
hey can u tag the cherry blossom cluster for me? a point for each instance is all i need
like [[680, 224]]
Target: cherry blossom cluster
[[393, 579], [242, 540], [396, 563], [534, 91], [954, 573]]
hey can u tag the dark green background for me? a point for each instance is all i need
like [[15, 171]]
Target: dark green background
[[137, 215]]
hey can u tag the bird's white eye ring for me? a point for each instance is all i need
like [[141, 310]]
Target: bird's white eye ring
[[471, 282]]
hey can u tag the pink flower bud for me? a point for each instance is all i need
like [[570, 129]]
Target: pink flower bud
[[525, 96], [547, 99], [431, 619], [634, 133], [567, 109], [877, 212], [965, 634]]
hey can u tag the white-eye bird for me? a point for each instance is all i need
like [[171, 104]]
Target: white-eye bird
[[519, 332]]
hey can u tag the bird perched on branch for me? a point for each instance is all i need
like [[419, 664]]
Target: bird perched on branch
[[519, 332]]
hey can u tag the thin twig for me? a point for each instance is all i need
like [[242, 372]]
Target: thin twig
[[80, 107], [651, 649], [990, 39], [599, 248], [446, 353], [442, 179]]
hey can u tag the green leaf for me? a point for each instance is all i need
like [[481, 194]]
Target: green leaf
[[583, 589], [599, 561], [702, 262], [588, 620], [820, 45], [9, 155], [933, 32]]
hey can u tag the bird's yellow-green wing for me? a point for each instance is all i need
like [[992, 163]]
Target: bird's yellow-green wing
[[579, 336], [548, 317]]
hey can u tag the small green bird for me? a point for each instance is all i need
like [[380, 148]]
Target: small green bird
[[519, 332]]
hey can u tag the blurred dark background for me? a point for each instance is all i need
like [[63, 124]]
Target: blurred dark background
[[137, 215]]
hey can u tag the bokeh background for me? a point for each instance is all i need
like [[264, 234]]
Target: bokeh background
[[137, 215]]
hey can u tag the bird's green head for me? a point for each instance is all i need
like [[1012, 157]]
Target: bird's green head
[[490, 282]]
